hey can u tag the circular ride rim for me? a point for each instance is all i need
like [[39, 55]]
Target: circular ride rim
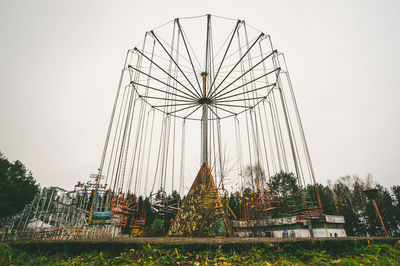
[[232, 86]]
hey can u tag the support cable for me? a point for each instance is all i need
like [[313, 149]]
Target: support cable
[[149, 153], [181, 181]]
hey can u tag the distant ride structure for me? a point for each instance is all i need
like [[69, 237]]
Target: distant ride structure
[[207, 95]]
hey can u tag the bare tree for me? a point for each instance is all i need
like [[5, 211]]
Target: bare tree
[[254, 177]]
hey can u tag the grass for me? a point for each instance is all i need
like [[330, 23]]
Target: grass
[[367, 253]]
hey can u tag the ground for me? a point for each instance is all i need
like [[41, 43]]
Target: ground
[[203, 251]]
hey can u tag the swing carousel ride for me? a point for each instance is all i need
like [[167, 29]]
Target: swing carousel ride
[[204, 108]]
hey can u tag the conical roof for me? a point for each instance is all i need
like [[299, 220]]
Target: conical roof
[[201, 213]]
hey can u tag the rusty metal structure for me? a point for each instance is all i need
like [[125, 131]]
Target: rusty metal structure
[[53, 214], [58, 214]]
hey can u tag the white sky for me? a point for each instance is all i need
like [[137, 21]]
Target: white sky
[[60, 63]]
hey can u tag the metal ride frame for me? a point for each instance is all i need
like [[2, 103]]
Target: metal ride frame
[[244, 80], [53, 214]]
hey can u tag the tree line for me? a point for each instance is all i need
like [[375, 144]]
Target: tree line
[[343, 197]]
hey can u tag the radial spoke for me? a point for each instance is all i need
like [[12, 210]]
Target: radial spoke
[[251, 81], [176, 64], [192, 112], [237, 63], [262, 60], [195, 96], [166, 84], [193, 105], [213, 112], [187, 50], [226, 52], [162, 91], [223, 109], [172, 100], [173, 105], [242, 93], [230, 105], [233, 88], [240, 100]]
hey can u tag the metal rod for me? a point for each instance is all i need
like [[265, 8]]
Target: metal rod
[[226, 52], [162, 82], [204, 122], [242, 75], [162, 69], [380, 217], [243, 85], [176, 64], [187, 116], [237, 63], [187, 50]]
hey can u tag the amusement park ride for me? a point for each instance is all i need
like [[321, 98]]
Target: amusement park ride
[[235, 107]]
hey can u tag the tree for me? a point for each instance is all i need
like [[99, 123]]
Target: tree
[[284, 183], [351, 203], [17, 187], [396, 193], [327, 196], [359, 213]]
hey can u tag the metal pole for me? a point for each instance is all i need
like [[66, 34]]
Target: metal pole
[[205, 122], [380, 217]]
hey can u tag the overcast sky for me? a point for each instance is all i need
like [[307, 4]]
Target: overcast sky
[[60, 63]]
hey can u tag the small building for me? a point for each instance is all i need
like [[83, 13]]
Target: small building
[[291, 227]]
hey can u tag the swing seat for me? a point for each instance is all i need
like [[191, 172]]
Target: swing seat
[[101, 216]]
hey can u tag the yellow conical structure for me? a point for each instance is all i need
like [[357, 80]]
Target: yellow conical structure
[[201, 213]]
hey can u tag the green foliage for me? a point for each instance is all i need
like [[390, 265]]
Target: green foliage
[[156, 228], [290, 196], [17, 187], [284, 183], [262, 254]]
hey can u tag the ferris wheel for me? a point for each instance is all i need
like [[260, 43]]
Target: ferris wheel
[[200, 92]]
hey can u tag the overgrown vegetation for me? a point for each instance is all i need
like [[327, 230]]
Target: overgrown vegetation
[[354, 253]]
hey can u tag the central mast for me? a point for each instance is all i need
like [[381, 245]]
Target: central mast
[[204, 120], [205, 101]]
